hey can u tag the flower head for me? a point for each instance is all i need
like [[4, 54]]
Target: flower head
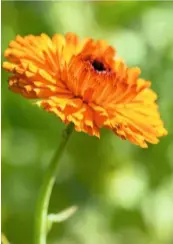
[[82, 82]]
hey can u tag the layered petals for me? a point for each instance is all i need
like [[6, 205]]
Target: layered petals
[[82, 82]]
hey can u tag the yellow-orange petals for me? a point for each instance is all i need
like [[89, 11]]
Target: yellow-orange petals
[[82, 82]]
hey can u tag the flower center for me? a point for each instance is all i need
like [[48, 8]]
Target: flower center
[[98, 66]]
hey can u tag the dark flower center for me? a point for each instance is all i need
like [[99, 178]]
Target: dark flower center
[[98, 66]]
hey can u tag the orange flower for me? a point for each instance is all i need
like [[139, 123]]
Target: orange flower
[[82, 82]]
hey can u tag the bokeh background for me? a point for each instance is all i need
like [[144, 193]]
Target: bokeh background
[[124, 193]]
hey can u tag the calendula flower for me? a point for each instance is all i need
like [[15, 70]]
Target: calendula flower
[[82, 81]]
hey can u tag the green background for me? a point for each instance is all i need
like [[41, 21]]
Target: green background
[[124, 193]]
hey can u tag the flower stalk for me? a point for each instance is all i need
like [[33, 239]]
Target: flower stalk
[[45, 194]]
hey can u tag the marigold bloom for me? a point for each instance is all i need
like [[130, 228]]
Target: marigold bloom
[[82, 82]]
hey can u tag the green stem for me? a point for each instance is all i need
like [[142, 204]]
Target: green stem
[[45, 194]]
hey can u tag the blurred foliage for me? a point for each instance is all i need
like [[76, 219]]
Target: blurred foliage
[[124, 193]]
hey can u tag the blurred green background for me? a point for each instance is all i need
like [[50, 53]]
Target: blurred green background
[[124, 193]]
